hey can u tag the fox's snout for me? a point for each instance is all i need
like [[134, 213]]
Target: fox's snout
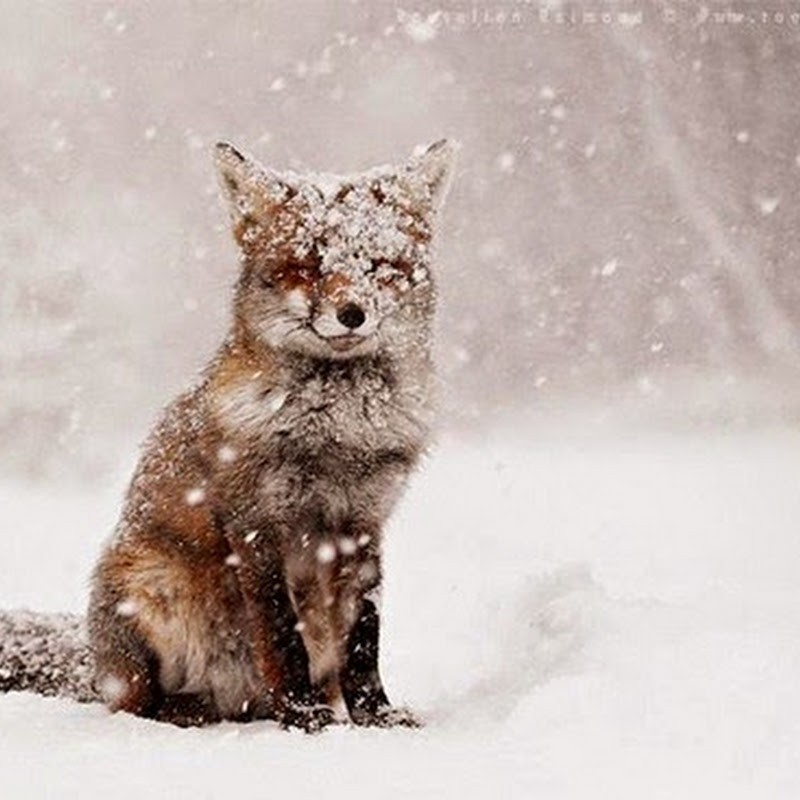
[[344, 316]]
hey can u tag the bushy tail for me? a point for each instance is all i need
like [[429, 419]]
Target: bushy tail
[[47, 654]]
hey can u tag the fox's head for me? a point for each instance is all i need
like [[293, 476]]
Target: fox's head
[[334, 266]]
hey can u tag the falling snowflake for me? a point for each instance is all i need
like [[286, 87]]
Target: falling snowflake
[[127, 607], [195, 496], [419, 28], [347, 546], [226, 454], [505, 162], [609, 268], [326, 553], [112, 688], [767, 205]]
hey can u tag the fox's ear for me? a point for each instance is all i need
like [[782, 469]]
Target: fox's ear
[[253, 193], [427, 174]]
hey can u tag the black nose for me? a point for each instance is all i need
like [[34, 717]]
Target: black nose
[[351, 316]]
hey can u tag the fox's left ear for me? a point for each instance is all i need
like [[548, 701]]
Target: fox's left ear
[[427, 174], [253, 193]]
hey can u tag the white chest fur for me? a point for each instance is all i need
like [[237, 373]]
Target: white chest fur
[[347, 406]]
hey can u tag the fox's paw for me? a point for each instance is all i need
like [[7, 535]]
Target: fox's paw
[[311, 719], [187, 711], [387, 717]]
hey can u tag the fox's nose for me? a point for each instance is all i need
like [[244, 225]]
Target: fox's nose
[[351, 316]]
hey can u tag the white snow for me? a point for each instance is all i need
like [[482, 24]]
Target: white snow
[[347, 545], [419, 28], [506, 161], [195, 496], [226, 454], [112, 687], [767, 204], [575, 617], [127, 607], [609, 268], [326, 553]]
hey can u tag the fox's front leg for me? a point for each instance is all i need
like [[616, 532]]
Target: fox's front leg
[[360, 679], [278, 650]]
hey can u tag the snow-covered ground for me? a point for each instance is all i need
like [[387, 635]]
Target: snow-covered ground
[[615, 617]]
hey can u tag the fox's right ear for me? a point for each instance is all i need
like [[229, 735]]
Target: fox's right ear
[[253, 193], [427, 174]]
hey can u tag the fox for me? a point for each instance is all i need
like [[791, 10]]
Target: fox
[[243, 578]]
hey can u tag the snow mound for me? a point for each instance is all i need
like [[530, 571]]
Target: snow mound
[[540, 634]]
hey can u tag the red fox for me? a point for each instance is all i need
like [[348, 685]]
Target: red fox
[[242, 580]]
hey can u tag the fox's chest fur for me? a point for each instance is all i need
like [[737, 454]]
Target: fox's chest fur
[[330, 412], [330, 446], [328, 441]]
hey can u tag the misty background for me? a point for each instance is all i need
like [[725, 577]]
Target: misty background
[[621, 235]]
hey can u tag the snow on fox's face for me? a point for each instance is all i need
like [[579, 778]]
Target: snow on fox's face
[[335, 267]]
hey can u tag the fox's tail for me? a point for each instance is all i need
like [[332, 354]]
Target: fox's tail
[[47, 654]]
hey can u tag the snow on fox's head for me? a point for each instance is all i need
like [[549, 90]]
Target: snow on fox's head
[[336, 266]]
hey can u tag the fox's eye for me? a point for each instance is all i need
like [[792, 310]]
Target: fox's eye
[[266, 282], [307, 269]]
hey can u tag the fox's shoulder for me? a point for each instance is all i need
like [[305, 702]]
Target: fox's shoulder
[[242, 390], [202, 422]]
